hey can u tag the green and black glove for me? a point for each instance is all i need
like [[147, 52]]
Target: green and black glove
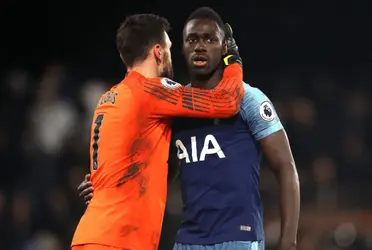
[[232, 55]]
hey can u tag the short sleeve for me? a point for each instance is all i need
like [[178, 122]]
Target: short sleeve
[[259, 113]]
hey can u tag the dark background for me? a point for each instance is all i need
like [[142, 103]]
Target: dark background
[[312, 58]]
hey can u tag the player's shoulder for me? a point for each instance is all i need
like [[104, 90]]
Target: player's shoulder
[[252, 95], [123, 86], [169, 83], [131, 87], [115, 94], [259, 113], [255, 101], [162, 81]]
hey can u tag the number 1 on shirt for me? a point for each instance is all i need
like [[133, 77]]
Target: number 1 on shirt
[[98, 123]]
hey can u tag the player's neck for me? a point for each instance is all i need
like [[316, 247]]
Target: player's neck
[[207, 81], [148, 71]]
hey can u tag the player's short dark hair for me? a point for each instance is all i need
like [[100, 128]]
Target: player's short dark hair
[[137, 34], [206, 13]]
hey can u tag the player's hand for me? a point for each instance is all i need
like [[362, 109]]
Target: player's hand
[[85, 189], [232, 55]]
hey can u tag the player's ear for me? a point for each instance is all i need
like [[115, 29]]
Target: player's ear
[[224, 48], [158, 53], [121, 56]]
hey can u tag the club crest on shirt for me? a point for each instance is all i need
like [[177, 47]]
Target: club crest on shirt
[[267, 111], [170, 84]]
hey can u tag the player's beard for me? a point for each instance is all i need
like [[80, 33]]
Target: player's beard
[[168, 67]]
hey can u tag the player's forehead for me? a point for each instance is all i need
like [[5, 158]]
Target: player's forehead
[[168, 42], [202, 26]]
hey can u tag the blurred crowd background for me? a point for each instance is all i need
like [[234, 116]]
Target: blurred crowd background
[[313, 61]]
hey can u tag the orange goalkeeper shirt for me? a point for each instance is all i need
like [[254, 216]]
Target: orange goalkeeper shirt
[[130, 140]]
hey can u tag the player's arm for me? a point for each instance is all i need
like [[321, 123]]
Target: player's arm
[[278, 153], [173, 99], [267, 129]]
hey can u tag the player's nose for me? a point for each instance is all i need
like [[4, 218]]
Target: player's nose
[[200, 47]]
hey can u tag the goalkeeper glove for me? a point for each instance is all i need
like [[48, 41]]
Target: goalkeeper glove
[[232, 55]]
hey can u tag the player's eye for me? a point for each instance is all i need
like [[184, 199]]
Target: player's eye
[[192, 40], [211, 40]]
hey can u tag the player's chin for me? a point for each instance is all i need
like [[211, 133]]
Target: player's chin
[[200, 73], [200, 70]]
